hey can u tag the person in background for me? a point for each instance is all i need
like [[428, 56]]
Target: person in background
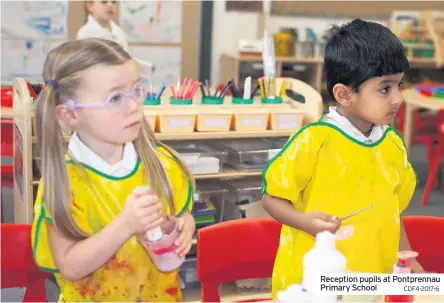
[[101, 25], [86, 214], [349, 160]]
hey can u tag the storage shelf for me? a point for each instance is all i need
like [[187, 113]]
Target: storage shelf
[[228, 173], [214, 135]]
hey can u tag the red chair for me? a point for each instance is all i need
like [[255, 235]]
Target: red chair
[[425, 234], [18, 267], [236, 250], [424, 130], [435, 162], [7, 150]]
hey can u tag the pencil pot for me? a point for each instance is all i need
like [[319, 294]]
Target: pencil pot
[[271, 100], [236, 100], [149, 101], [212, 100], [163, 251], [174, 101]]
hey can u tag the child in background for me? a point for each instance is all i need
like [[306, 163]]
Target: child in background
[[86, 216], [350, 159], [101, 25]]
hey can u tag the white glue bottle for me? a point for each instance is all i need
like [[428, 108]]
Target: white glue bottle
[[324, 258]]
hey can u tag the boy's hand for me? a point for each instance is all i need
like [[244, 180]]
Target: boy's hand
[[142, 212], [186, 227], [319, 221]]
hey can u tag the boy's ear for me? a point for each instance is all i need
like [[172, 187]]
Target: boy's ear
[[342, 94]]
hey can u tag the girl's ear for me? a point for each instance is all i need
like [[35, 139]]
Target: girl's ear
[[67, 115]]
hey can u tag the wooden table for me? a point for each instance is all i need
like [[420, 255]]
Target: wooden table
[[7, 113], [414, 101]]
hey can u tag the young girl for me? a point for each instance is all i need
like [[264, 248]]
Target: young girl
[[86, 216]]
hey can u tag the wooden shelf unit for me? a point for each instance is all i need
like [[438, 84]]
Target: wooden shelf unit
[[25, 182]]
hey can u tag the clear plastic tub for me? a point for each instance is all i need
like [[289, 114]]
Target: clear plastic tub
[[200, 157], [188, 273], [248, 154], [244, 199], [163, 250], [214, 192]]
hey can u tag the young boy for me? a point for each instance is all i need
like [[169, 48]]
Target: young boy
[[100, 23], [348, 160]]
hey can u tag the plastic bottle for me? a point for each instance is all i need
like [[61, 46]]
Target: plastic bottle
[[160, 242], [402, 267], [324, 258]]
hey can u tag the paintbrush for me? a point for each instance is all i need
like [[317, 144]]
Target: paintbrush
[[355, 213]]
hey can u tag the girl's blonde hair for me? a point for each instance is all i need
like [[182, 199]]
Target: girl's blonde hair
[[64, 66]]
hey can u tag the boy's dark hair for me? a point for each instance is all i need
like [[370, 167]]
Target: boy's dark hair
[[360, 50]]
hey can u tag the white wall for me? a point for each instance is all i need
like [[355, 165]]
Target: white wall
[[229, 27]]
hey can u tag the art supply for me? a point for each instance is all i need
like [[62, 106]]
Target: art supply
[[233, 89], [173, 92], [208, 88], [186, 91], [151, 89], [324, 258], [262, 87], [282, 89], [202, 91], [160, 242], [402, 267], [160, 92], [269, 63], [225, 90], [356, 213], [271, 89], [247, 88], [255, 90]]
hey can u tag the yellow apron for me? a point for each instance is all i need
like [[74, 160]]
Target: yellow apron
[[129, 275], [321, 168]]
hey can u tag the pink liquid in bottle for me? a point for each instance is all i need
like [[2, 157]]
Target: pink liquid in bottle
[[159, 244]]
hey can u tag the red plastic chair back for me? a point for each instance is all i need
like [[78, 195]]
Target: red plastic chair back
[[6, 97], [7, 140], [17, 267], [235, 250], [426, 236]]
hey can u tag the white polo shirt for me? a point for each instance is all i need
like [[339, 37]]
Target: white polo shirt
[[334, 118], [83, 154], [92, 29]]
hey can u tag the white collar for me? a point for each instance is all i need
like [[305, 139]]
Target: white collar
[[97, 26], [82, 153], [334, 118]]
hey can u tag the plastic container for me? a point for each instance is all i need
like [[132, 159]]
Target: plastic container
[[285, 118], [324, 258], [176, 121], [200, 157], [159, 242], [250, 119], [180, 101], [236, 100], [248, 154], [212, 100], [213, 192], [148, 101], [151, 119], [214, 121], [244, 200], [402, 267], [188, 273], [275, 100]]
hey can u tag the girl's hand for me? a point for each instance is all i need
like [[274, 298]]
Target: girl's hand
[[142, 212], [187, 226], [319, 221]]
